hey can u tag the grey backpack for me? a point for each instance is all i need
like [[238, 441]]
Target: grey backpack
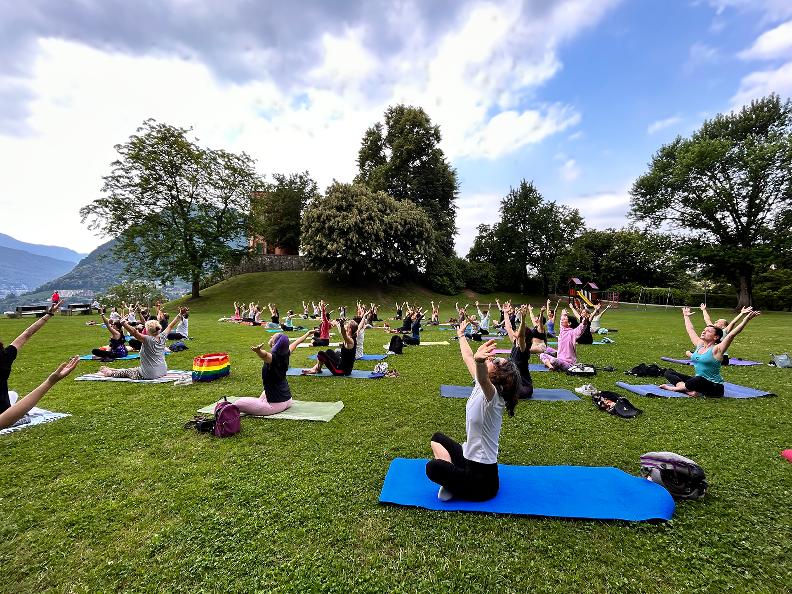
[[681, 476], [781, 360]]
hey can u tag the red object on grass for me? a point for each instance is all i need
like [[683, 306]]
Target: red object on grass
[[787, 454]]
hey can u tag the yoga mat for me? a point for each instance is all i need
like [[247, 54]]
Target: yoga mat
[[36, 416], [169, 377], [442, 342], [363, 358], [735, 362], [584, 492], [729, 391], [308, 345], [300, 410], [550, 351], [129, 357], [539, 393], [356, 374], [601, 342]]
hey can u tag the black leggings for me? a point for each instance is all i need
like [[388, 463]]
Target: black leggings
[[411, 340], [106, 354], [465, 479], [695, 383], [332, 361], [320, 342], [175, 336], [526, 390]]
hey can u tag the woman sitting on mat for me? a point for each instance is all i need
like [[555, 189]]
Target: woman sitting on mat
[[338, 364], [276, 395], [521, 353], [415, 327], [470, 471], [710, 346], [274, 313], [484, 318], [8, 355], [596, 317], [117, 346], [322, 336], [551, 317], [360, 337], [182, 330], [152, 352], [435, 314], [567, 351], [21, 407], [538, 334], [584, 319]]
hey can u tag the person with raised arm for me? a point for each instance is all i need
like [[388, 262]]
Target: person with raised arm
[[435, 314], [338, 363], [415, 326], [152, 352], [276, 395], [116, 348], [567, 350], [709, 348], [723, 324], [322, 336], [484, 318], [23, 406], [470, 471], [596, 317], [521, 352], [8, 355], [551, 318]]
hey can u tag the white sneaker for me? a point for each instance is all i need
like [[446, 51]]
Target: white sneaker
[[444, 494], [12, 396], [587, 390]]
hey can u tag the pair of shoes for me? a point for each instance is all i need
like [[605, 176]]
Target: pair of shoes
[[587, 390]]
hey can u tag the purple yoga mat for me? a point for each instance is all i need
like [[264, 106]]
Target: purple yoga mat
[[735, 362], [550, 351]]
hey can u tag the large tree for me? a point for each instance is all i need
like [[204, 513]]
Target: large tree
[[729, 187], [402, 158], [355, 233], [278, 208], [179, 210], [529, 240]]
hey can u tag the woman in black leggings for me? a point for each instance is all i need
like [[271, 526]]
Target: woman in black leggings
[[338, 364], [117, 345]]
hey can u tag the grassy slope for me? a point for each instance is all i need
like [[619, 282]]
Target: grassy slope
[[118, 496]]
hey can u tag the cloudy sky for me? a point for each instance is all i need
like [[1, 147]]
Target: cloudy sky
[[575, 95]]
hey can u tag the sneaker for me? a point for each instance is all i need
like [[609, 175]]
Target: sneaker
[[587, 390], [444, 494]]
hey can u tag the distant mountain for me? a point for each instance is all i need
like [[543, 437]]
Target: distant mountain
[[51, 251], [97, 271], [20, 269]]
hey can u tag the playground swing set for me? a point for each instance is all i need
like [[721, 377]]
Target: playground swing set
[[589, 293]]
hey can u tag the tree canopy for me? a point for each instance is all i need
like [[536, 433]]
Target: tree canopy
[[178, 210], [355, 233], [729, 188], [279, 209]]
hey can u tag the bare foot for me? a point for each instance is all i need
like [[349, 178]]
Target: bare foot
[[105, 370], [667, 387], [311, 371]]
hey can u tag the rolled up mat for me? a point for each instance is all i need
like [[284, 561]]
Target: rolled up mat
[[300, 410], [447, 391], [583, 492], [732, 361], [729, 391], [356, 374], [363, 358]]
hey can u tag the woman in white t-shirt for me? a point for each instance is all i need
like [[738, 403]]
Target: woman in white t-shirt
[[470, 471]]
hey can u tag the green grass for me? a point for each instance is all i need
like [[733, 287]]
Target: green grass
[[119, 497]]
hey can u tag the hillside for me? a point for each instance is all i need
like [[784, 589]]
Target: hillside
[[19, 268], [97, 271], [51, 251]]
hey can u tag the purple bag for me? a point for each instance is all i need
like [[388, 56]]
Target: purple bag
[[228, 420]]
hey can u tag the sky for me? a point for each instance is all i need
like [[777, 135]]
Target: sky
[[574, 95]]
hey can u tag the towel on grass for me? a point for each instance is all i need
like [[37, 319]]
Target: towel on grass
[[172, 376], [300, 410], [36, 416]]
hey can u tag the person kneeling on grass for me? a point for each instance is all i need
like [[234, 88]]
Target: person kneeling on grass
[[470, 471], [23, 406], [152, 352], [567, 351], [338, 364], [276, 395], [710, 346]]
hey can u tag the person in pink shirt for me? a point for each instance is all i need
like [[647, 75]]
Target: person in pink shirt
[[324, 327], [567, 352]]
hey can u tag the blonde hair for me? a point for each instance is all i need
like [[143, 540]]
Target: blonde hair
[[153, 327]]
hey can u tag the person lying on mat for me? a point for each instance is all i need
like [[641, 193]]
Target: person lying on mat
[[152, 352], [116, 348], [470, 471], [338, 363], [567, 350], [23, 406], [710, 346], [276, 395], [9, 353]]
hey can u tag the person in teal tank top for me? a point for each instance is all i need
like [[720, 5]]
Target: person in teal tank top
[[710, 347]]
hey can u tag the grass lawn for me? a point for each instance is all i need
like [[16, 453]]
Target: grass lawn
[[119, 497]]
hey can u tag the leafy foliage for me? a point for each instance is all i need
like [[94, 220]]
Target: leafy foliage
[[134, 291], [730, 184], [279, 210], [177, 208], [354, 232]]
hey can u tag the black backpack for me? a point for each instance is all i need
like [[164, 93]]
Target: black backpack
[[616, 405], [644, 370], [396, 345]]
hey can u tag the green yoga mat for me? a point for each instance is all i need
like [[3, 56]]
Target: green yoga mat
[[300, 410]]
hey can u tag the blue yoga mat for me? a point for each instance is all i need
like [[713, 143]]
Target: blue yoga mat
[[595, 493], [732, 362], [363, 358], [129, 357], [539, 393], [729, 391], [356, 374]]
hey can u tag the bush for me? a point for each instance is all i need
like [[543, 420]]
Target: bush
[[446, 275], [481, 277]]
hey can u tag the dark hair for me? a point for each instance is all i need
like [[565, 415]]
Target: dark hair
[[718, 331], [506, 380]]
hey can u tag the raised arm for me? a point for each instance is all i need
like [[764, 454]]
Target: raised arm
[[466, 352], [743, 311], [507, 323], [521, 330], [133, 332], [705, 314], [484, 352], [694, 338], [300, 340], [23, 406], [723, 346], [20, 340], [265, 356]]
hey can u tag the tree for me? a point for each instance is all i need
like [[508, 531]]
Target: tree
[[179, 210], [730, 187], [134, 291], [355, 233], [402, 158], [529, 239], [280, 208]]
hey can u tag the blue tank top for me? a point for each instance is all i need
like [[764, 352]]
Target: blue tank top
[[707, 366]]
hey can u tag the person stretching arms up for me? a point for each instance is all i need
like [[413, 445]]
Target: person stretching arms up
[[567, 351], [23, 406], [338, 364]]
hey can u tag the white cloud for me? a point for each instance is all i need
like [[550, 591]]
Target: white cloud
[[662, 124], [775, 43], [475, 210], [604, 209], [762, 83], [570, 170], [771, 10]]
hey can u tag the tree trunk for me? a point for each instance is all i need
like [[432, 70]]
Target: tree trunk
[[744, 289], [196, 289]]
